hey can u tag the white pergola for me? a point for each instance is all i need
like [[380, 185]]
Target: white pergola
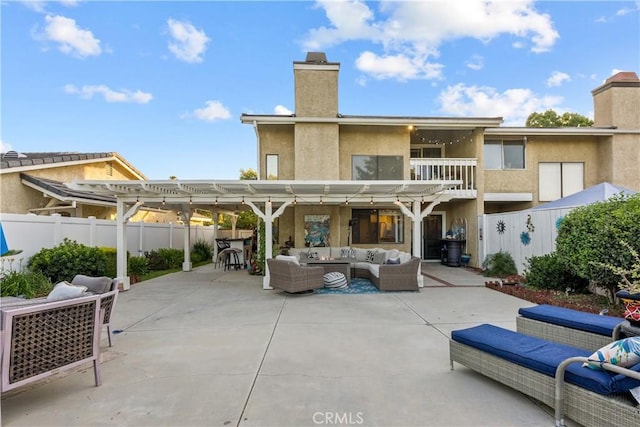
[[268, 199]]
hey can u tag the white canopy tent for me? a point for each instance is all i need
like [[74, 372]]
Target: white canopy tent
[[268, 199]]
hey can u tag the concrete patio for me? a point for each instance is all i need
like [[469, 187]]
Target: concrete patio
[[212, 348]]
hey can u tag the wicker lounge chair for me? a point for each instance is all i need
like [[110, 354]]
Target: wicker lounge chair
[[107, 288], [294, 278], [40, 340], [495, 355], [575, 328], [393, 277]]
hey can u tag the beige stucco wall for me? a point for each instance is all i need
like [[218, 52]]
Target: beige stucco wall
[[373, 140], [277, 139], [547, 149], [316, 151], [625, 161]]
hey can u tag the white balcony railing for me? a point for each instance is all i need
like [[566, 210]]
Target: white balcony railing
[[445, 170]]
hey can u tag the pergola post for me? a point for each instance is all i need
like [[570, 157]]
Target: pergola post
[[268, 216], [186, 214], [121, 241]]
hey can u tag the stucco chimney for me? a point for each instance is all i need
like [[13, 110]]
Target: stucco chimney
[[617, 102], [316, 86]]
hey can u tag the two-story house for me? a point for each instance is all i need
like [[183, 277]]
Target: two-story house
[[495, 169]]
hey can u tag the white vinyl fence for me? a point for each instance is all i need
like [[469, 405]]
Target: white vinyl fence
[[523, 234], [31, 233]]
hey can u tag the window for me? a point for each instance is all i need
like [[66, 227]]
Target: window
[[272, 166], [377, 226], [557, 180], [504, 154], [377, 167]]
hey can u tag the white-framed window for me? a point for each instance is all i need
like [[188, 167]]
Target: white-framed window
[[504, 154], [559, 179], [272, 166]]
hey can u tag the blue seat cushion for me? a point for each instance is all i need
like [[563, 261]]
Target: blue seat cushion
[[573, 319], [543, 356]]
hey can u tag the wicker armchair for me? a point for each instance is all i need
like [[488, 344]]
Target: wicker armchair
[[107, 288], [294, 278], [42, 339]]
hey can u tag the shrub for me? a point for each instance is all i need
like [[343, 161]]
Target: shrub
[[30, 284], [138, 266], [111, 261], [69, 258], [165, 259], [590, 236], [500, 264], [548, 272], [201, 251]]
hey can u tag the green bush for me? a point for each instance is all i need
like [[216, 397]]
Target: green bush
[[67, 259], [202, 251], [500, 264], [165, 259], [29, 284], [111, 261], [138, 266], [590, 236], [548, 272]]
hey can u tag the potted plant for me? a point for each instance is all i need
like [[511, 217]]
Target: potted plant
[[629, 286], [465, 258]]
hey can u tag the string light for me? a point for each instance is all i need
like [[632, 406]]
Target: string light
[[164, 202], [216, 201], [346, 201], [295, 200], [190, 200], [243, 200], [320, 199], [371, 202]]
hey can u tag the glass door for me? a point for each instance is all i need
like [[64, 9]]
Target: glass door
[[432, 228]]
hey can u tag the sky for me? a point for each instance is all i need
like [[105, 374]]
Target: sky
[[164, 83]]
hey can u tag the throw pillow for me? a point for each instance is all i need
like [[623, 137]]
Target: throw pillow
[[378, 258], [624, 352], [65, 290], [97, 285], [393, 261], [291, 258], [347, 253], [370, 255]]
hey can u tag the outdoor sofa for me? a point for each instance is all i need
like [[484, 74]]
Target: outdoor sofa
[[572, 327], [551, 373], [388, 270]]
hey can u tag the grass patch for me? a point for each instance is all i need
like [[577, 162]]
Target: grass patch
[[158, 273]]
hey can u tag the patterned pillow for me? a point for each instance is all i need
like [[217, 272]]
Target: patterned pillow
[[370, 255], [625, 353], [347, 253]]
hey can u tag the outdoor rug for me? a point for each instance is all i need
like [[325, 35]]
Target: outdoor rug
[[357, 286]]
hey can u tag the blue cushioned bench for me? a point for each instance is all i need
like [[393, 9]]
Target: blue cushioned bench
[[576, 328], [530, 365]]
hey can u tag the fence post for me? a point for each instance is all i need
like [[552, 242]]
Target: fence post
[[92, 231], [171, 235]]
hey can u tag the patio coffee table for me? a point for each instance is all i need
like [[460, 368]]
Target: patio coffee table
[[340, 265]]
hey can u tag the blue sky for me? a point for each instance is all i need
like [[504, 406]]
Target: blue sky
[[164, 83]]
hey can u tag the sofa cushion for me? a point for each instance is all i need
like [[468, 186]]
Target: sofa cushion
[[624, 352], [573, 319], [361, 254], [64, 290], [97, 285], [543, 356], [292, 258], [375, 269]]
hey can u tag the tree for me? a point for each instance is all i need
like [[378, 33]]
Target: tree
[[551, 119], [246, 219]]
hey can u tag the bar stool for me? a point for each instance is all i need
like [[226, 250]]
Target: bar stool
[[231, 260]]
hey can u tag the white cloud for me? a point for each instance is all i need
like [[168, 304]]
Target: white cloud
[[4, 147], [557, 78], [282, 110], [212, 112], [476, 62], [514, 105], [109, 95], [627, 10], [411, 32], [398, 66], [188, 43], [71, 39]]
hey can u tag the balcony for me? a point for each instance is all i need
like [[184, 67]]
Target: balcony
[[445, 170]]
